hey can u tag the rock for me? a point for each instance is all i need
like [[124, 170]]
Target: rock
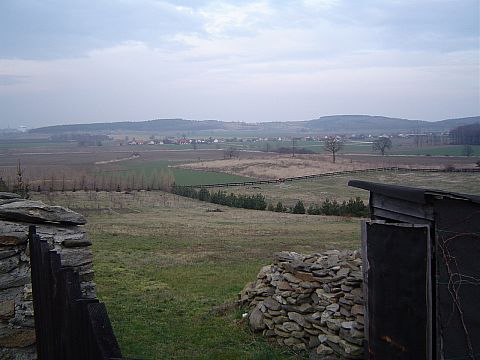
[[76, 257], [334, 324], [304, 276], [36, 211], [298, 334], [333, 338], [300, 346], [13, 338], [291, 326], [15, 238], [291, 341], [345, 312], [272, 304], [284, 285], [290, 278], [358, 310], [299, 319], [16, 278], [256, 320], [313, 342], [322, 338], [324, 350], [312, 331], [7, 309], [351, 349], [9, 264], [347, 324], [268, 333], [303, 309], [268, 322], [343, 272], [349, 336], [281, 333], [7, 252], [9, 195], [333, 307], [264, 271], [357, 292]]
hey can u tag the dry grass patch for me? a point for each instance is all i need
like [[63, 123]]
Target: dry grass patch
[[278, 166]]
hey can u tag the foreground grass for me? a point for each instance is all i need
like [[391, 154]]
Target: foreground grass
[[160, 269]]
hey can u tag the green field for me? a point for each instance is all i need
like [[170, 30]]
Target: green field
[[146, 169], [446, 150], [162, 263]]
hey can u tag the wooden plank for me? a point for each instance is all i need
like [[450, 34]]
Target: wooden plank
[[397, 288], [400, 206]]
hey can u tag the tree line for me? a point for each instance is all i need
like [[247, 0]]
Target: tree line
[[352, 207]]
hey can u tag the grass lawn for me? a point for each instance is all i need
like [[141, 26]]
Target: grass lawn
[[162, 262]]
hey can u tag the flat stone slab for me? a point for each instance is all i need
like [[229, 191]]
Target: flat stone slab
[[38, 212], [8, 195]]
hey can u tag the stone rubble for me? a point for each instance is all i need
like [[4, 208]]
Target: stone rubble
[[310, 302], [56, 225]]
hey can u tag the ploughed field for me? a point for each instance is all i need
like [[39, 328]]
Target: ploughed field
[[66, 165]]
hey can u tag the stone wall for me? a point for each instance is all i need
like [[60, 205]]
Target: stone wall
[[61, 228], [310, 302]]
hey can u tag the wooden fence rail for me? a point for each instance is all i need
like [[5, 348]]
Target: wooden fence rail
[[337, 173], [67, 325]]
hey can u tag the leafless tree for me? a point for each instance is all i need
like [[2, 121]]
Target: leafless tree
[[382, 144], [333, 145], [229, 153]]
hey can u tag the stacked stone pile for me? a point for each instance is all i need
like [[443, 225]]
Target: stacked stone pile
[[310, 302], [60, 227]]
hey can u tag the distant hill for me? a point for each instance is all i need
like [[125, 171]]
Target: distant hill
[[149, 125], [325, 124]]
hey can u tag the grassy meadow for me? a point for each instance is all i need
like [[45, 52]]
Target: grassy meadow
[[162, 262]]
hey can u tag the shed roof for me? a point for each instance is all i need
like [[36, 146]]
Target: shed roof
[[416, 195]]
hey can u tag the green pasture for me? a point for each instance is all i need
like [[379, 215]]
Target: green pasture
[[163, 264], [445, 150], [145, 170]]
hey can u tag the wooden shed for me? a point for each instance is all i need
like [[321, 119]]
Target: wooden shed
[[421, 252]]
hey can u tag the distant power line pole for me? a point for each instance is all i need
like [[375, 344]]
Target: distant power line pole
[[293, 147]]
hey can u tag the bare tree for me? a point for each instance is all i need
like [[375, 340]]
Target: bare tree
[[333, 145], [229, 153], [382, 144]]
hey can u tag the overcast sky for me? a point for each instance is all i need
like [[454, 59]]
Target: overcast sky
[[77, 61]]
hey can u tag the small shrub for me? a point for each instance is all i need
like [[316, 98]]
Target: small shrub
[[280, 207], [298, 208], [313, 209]]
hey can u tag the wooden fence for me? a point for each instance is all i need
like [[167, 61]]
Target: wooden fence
[[337, 173], [67, 325]]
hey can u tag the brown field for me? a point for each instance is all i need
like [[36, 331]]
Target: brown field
[[272, 166]]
